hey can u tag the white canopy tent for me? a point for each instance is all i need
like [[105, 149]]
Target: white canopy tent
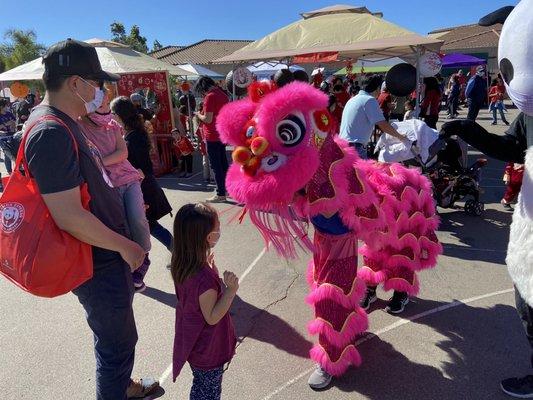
[[338, 33], [114, 57], [265, 69], [198, 70], [350, 32]]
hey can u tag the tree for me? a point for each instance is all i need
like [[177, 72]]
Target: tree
[[20, 47], [157, 45], [134, 39]]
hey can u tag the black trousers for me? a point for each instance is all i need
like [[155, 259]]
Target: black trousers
[[219, 164], [473, 110], [526, 315], [431, 121]]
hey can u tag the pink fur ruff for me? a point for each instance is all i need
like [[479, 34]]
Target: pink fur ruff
[[336, 294], [349, 357], [355, 324], [292, 98], [402, 285], [371, 277], [232, 119]]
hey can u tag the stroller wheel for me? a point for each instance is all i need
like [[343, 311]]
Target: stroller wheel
[[474, 207]]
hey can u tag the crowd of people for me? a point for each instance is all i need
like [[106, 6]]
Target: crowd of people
[[113, 158]]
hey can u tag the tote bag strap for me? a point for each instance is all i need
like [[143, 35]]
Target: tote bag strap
[[21, 159]]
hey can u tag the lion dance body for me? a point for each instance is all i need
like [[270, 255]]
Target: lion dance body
[[290, 168]]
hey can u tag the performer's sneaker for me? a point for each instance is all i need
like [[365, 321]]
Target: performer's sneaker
[[370, 297], [216, 199], [521, 388], [319, 379], [397, 303]]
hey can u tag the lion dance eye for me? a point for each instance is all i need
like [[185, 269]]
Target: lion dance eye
[[291, 130], [250, 131]]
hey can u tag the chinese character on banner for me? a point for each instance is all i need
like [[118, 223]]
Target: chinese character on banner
[[153, 86]]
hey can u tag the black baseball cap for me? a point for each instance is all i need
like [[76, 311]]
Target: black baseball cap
[[72, 57]]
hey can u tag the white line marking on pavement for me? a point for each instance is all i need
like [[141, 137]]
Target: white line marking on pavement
[[466, 248], [252, 265], [397, 324], [175, 178], [168, 371]]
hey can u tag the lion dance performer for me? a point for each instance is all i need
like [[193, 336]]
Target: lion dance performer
[[290, 168]]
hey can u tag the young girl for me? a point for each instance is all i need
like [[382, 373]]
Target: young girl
[[106, 134], [512, 177], [138, 144], [183, 149], [205, 337], [496, 102], [409, 110]]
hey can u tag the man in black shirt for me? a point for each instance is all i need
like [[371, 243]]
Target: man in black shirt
[[73, 78]]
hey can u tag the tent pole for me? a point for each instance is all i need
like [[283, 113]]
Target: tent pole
[[417, 104], [233, 84]]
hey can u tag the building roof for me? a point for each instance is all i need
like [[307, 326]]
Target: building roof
[[165, 51], [468, 36], [203, 52]]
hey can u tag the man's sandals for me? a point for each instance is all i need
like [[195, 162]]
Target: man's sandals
[[139, 388]]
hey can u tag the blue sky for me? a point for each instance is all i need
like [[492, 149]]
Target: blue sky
[[185, 22]]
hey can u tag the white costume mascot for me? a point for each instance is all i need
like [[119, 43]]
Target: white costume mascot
[[515, 58]]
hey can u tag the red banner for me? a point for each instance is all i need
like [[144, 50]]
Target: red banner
[[153, 86], [316, 58]]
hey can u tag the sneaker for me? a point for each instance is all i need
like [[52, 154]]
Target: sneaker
[[506, 205], [493, 123], [506, 123], [520, 388], [370, 297], [397, 303], [216, 199], [141, 288], [319, 379], [140, 388]]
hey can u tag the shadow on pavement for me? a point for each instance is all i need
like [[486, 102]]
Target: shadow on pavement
[[259, 324], [252, 322], [485, 237], [482, 346], [159, 392], [193, 184]]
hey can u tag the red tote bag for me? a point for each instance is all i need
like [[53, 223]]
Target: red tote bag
[[35, 254]]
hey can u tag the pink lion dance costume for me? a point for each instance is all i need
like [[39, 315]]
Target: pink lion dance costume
[[285, 144]]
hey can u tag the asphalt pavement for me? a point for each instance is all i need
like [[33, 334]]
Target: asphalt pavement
[[456, 340]]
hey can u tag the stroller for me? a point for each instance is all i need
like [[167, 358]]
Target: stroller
[[452, 181], [10, 144], [443, 161]]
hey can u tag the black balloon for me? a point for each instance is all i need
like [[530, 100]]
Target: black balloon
[[301, 75], [239, 91], [401, 79], [283, 77], [496, 17]]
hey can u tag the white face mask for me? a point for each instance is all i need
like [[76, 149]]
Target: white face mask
[[524, 102], [97, 100]]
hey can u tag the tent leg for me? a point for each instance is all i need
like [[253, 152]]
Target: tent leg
[[417, 104], [234, 96]]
